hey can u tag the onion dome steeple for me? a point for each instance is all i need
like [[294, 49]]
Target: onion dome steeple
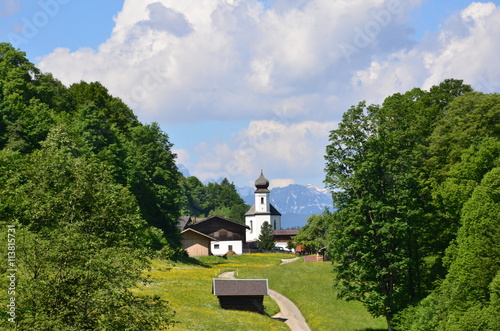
[[261, 184]]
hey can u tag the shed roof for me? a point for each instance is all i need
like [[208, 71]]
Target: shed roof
[[240, 287]]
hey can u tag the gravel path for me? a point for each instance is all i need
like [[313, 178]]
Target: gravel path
[[229, 274], [285, 261], [289, 313]]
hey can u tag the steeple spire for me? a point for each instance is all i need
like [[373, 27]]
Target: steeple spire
[[261, 183]]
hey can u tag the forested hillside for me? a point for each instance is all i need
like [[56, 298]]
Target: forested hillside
[[220, 199], [87, 193], [416, 185]]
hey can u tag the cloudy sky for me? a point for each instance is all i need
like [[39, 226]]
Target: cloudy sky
[[241, 85]]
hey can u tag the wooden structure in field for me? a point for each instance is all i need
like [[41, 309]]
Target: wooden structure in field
[[196, 243], [241, 294]]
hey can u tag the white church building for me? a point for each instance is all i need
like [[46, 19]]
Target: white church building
[[261, 211]]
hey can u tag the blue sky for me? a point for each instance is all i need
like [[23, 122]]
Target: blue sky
[[241, 85]]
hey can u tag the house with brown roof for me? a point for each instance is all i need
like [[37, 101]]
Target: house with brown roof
[[224, 234], [282, 237]]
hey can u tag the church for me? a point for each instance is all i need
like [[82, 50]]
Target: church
[[260, 212]]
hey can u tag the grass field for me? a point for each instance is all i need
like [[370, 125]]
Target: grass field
[[188, 288], [309, 286]]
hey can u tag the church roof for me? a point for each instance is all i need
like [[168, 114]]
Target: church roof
[[261, 184], [273, 210]]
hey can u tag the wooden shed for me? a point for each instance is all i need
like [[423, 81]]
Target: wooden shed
[[241, 294], [196, 243]]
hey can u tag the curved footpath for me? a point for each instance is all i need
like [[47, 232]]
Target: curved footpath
[[289, 313]]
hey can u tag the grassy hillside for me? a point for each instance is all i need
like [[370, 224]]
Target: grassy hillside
[[309, 286], [187, 287]]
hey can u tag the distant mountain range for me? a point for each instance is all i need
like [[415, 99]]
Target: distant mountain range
[[295, 202], [183, 170]]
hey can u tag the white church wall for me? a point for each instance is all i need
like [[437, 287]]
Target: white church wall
[[255, 223]]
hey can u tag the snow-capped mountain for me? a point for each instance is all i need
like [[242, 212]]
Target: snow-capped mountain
[[183, 170], [295, 202]]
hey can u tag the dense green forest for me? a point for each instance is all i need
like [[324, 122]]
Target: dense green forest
[[211, 199], [416, 184], [88, 194]]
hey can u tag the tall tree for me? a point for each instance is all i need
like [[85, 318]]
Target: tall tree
[[81, 242], [154, 178], [368, 233], [314, 235], [266, 237], [466, 289], [382, 236]]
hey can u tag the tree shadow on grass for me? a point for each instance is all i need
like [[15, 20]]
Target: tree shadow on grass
[[192, 261], [209, 263]]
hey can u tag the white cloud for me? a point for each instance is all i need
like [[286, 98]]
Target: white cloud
[[473, 56], [280, 182], [291, 68], [477, 11], [296, 150], [183, 156], [466, 48], [196, 60]]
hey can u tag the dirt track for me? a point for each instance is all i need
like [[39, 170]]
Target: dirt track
[[289, 313]]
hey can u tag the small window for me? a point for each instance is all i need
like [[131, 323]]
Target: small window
[[216, 246], [275, 224], [251, 226], [261, 201], [230, 247]]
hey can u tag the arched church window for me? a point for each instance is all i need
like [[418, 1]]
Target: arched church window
[[261, 201], [251, 226]]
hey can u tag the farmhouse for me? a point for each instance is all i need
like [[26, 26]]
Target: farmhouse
[[241, 294], [223, 235], [282, 237]]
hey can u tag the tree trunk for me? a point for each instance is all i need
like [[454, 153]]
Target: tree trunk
[[388, 318]]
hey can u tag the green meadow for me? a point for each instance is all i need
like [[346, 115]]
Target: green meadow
[[188, 285], [310, 286]]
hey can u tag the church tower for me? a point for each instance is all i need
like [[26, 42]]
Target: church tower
[[261, 211]]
